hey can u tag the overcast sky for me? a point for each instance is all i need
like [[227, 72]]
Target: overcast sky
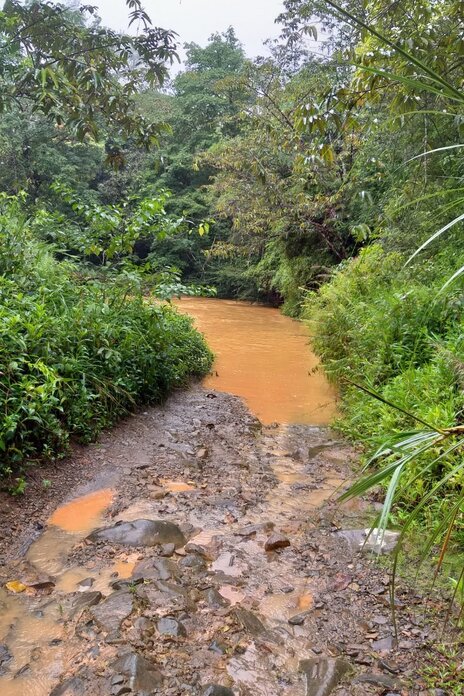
[[196, 20]]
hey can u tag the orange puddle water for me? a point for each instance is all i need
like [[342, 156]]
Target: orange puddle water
[[33, 629], [67, 525], [265, 358], [83, 514], [176, 486]]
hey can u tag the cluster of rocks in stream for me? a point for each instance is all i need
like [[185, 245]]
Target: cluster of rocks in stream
[[231, 593]]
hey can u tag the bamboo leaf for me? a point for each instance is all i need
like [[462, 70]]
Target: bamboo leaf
[[435, 236]]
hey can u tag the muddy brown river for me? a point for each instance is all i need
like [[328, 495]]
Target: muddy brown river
[[265, 358]]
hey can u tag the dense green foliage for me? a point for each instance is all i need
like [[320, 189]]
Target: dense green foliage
[[78, 352], [83, 339]]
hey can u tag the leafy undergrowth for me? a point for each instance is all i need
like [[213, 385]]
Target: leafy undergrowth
[[77, 353], [444, 670], [385, 327]]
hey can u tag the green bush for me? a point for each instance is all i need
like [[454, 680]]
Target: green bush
[[386, 327], [77, 353]]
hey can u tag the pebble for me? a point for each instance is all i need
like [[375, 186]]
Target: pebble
[[171, 627], [276, 541], [298, 619]]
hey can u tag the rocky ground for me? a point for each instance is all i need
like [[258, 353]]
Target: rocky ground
[[222, 566]]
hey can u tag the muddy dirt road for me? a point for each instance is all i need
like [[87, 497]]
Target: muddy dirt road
[[238, 582]]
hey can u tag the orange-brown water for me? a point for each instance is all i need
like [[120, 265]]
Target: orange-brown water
[[265, 358], [83, 514]]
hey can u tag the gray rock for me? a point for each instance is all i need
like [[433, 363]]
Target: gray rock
[[215, 600], [5, 656], [377, 679], [85, 584], [383, 644], [167, 550], [110, 614], [140, 675], [156, 569], [141, 533], [298, 619], [216, 690], [71, 687], [171, 627], [323, 674], [171, 590], [86, 599], [125, 584], [193, 561], [367, 540], [250, 621], [276, 541]]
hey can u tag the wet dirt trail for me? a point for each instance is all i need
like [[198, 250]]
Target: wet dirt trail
[[206, 555]]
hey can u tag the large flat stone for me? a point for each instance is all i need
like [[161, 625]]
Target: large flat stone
[[156, 569], [141, 533], [323, 674], [110, 614], [140, 676]]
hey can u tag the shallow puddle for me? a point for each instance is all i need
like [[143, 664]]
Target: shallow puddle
[[233, 595], [33, 633], [32, 626], [83, 514], [70, 580], [69, 523], [265, 358]]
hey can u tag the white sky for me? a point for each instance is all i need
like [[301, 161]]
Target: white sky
[[196, 20]]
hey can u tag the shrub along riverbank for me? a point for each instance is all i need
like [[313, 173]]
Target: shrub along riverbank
[[387, 327], [76, 352]]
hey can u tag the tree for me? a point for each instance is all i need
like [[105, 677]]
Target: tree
[[57, 62]]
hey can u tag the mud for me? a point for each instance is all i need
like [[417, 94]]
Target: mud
[[109, 619]]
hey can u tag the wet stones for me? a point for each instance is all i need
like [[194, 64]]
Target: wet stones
[[110, 614], [156, 569], [132, 672], [216, 690], [193, 562], [167, 550], [5, 657], [171, 627], [85, 584], [141, 533], [215, 600], [298, 619], [276, 541], [323, 674]]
